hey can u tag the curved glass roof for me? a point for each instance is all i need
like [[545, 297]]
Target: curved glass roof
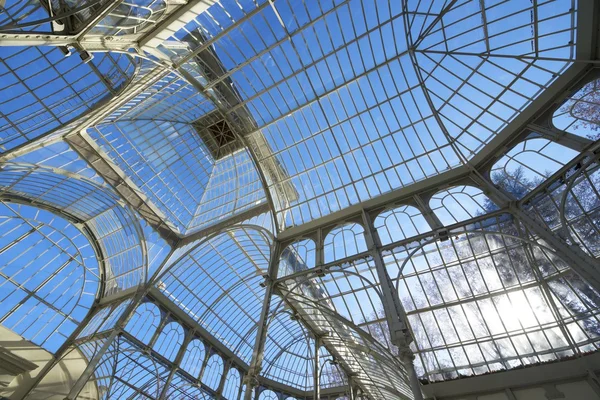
[[289, 199]]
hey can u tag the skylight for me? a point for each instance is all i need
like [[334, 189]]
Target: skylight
[[252, 199]]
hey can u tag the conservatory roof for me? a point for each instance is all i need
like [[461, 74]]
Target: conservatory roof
[[336, 102], [217, 139]]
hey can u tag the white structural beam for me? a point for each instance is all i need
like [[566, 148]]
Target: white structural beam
[[174, 22]]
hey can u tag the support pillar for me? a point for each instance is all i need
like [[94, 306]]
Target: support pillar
[[407, 357], [396, 316], [317, 369], [251, 378]]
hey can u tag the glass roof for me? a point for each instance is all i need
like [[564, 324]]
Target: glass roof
[[343, 81], [222, 195]]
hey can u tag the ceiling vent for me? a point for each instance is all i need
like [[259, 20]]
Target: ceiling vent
[[218, 138]]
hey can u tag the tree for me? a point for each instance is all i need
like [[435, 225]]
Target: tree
[[585, 108], [570, 290], [513, 267]]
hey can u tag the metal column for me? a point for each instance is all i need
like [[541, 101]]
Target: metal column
[[317, 369], [261, 332], [396, 317]]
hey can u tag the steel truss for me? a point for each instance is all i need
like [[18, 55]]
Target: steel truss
[[532, 233]]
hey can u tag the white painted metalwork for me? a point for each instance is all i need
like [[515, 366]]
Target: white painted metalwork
[[298, 199]]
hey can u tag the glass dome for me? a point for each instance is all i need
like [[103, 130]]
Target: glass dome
[[334, 199]]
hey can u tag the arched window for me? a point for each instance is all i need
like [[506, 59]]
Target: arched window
[[243, 392], [48, 275], [296, 257], [344, 241], [170, 340], [268, 395], [288, 353], [528, 164], [144, 322], [580, 114], [400, 223], [214, 371], [232, 384], [193, 358], [460, 203]]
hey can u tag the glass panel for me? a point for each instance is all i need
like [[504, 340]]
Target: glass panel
[[580, 114], [460, 203], [344, 241], [528, 164]]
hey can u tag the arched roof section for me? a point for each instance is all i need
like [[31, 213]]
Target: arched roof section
[[580, 113], [323, 104], [375, 369], [579, 207], [126, 370], [181, 388], [177, 169], [60, 155], [115, 229], [288, 352], [163, 140], [332, 375], [217, 282], [353, 291], [42, 90], [454, 74], [49, 274], [169, 99], [234, 187]]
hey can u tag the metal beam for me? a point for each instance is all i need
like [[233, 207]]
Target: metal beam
[[397, 321], [87, 148], [261, 330], [397, 196], [228, 222], [33, 39], [98, 16], [317, 370], [174, 22]]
